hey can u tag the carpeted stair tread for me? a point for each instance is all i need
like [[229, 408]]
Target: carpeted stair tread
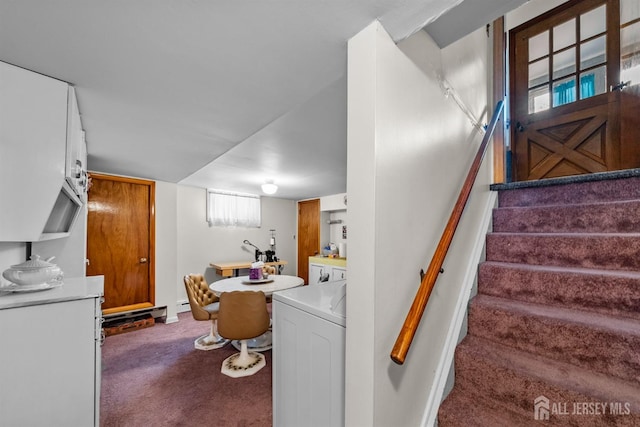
[[557, 313], [622, 216], [589, 250], [602, 343], [610, 292], [585, 192], [489, 371], [458, 409]]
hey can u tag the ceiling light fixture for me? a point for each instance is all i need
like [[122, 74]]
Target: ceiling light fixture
[[269, 187]]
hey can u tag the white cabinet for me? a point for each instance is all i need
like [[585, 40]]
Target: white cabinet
[[50, 363], [38, 202], [323, 270], [338, 273], [76, 158], [334, 202], [319, 273]]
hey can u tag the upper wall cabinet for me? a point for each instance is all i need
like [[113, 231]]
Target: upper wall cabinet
[[76, 159], [335, 202], [38, 203]]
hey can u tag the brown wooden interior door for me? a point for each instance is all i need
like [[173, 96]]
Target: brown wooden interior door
[[565, 120], [120, 240], [570, 144], [308, 235]]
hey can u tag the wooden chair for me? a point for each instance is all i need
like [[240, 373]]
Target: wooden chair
[[204, 306], [243, 315]]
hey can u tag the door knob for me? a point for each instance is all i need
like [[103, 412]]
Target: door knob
[[519, 127], [143, 260]]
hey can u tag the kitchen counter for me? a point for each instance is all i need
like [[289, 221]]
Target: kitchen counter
[[338, 262], [71, 289], [50, 364]]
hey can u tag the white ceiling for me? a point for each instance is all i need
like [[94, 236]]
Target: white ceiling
[[213, 93]]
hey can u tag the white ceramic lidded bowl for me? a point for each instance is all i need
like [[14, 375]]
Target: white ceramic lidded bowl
[[33, 272]]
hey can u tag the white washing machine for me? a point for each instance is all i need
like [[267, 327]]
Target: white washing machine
[[308, 355]]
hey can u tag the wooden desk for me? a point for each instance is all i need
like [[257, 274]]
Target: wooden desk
[[228, 269]]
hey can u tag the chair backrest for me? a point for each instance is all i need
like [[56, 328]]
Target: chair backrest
[[243, 314], [199, 295]]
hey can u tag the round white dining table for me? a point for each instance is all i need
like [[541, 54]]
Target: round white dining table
[[274, 283]]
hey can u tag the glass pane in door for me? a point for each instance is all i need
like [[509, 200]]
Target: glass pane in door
[[539, 99], [593, 52], [564, 63], [539, 46], [630, 54], [593, 82], [629, 11], [564, 35], [539, 72], [564, 91], [593, 22]]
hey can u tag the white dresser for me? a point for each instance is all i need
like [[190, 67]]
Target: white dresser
[[50, 366]]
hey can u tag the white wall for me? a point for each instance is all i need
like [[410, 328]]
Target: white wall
[[335, 230], [166, 292], [409, 149], [529, 10], [11, 253], [199, 244]]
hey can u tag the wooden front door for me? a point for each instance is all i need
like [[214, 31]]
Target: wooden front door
[[566, 117], [120, 240], [308, 235]]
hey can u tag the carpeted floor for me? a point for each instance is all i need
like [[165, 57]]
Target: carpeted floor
[[155, 377]]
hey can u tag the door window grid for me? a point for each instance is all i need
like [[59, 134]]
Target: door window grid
[[561, 63]]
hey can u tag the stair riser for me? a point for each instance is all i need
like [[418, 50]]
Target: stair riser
[[586, 192], [486, 381], [600, 251], [600, 350], [595, 218], [604, 294]]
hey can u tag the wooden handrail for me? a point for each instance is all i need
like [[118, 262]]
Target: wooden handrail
[[403, 342]]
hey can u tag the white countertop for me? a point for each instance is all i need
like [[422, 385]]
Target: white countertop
[[71, 289]]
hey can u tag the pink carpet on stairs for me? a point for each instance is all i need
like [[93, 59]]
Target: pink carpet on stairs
[[557, 315]]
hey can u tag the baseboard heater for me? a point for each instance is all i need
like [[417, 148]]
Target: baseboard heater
[[127, 316], [183, 306]]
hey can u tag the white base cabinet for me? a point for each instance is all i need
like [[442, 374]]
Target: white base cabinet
[[50, 363], [338, 273], [319, 273], [322, 270]]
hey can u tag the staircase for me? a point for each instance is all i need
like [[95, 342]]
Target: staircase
[[556, 321]]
